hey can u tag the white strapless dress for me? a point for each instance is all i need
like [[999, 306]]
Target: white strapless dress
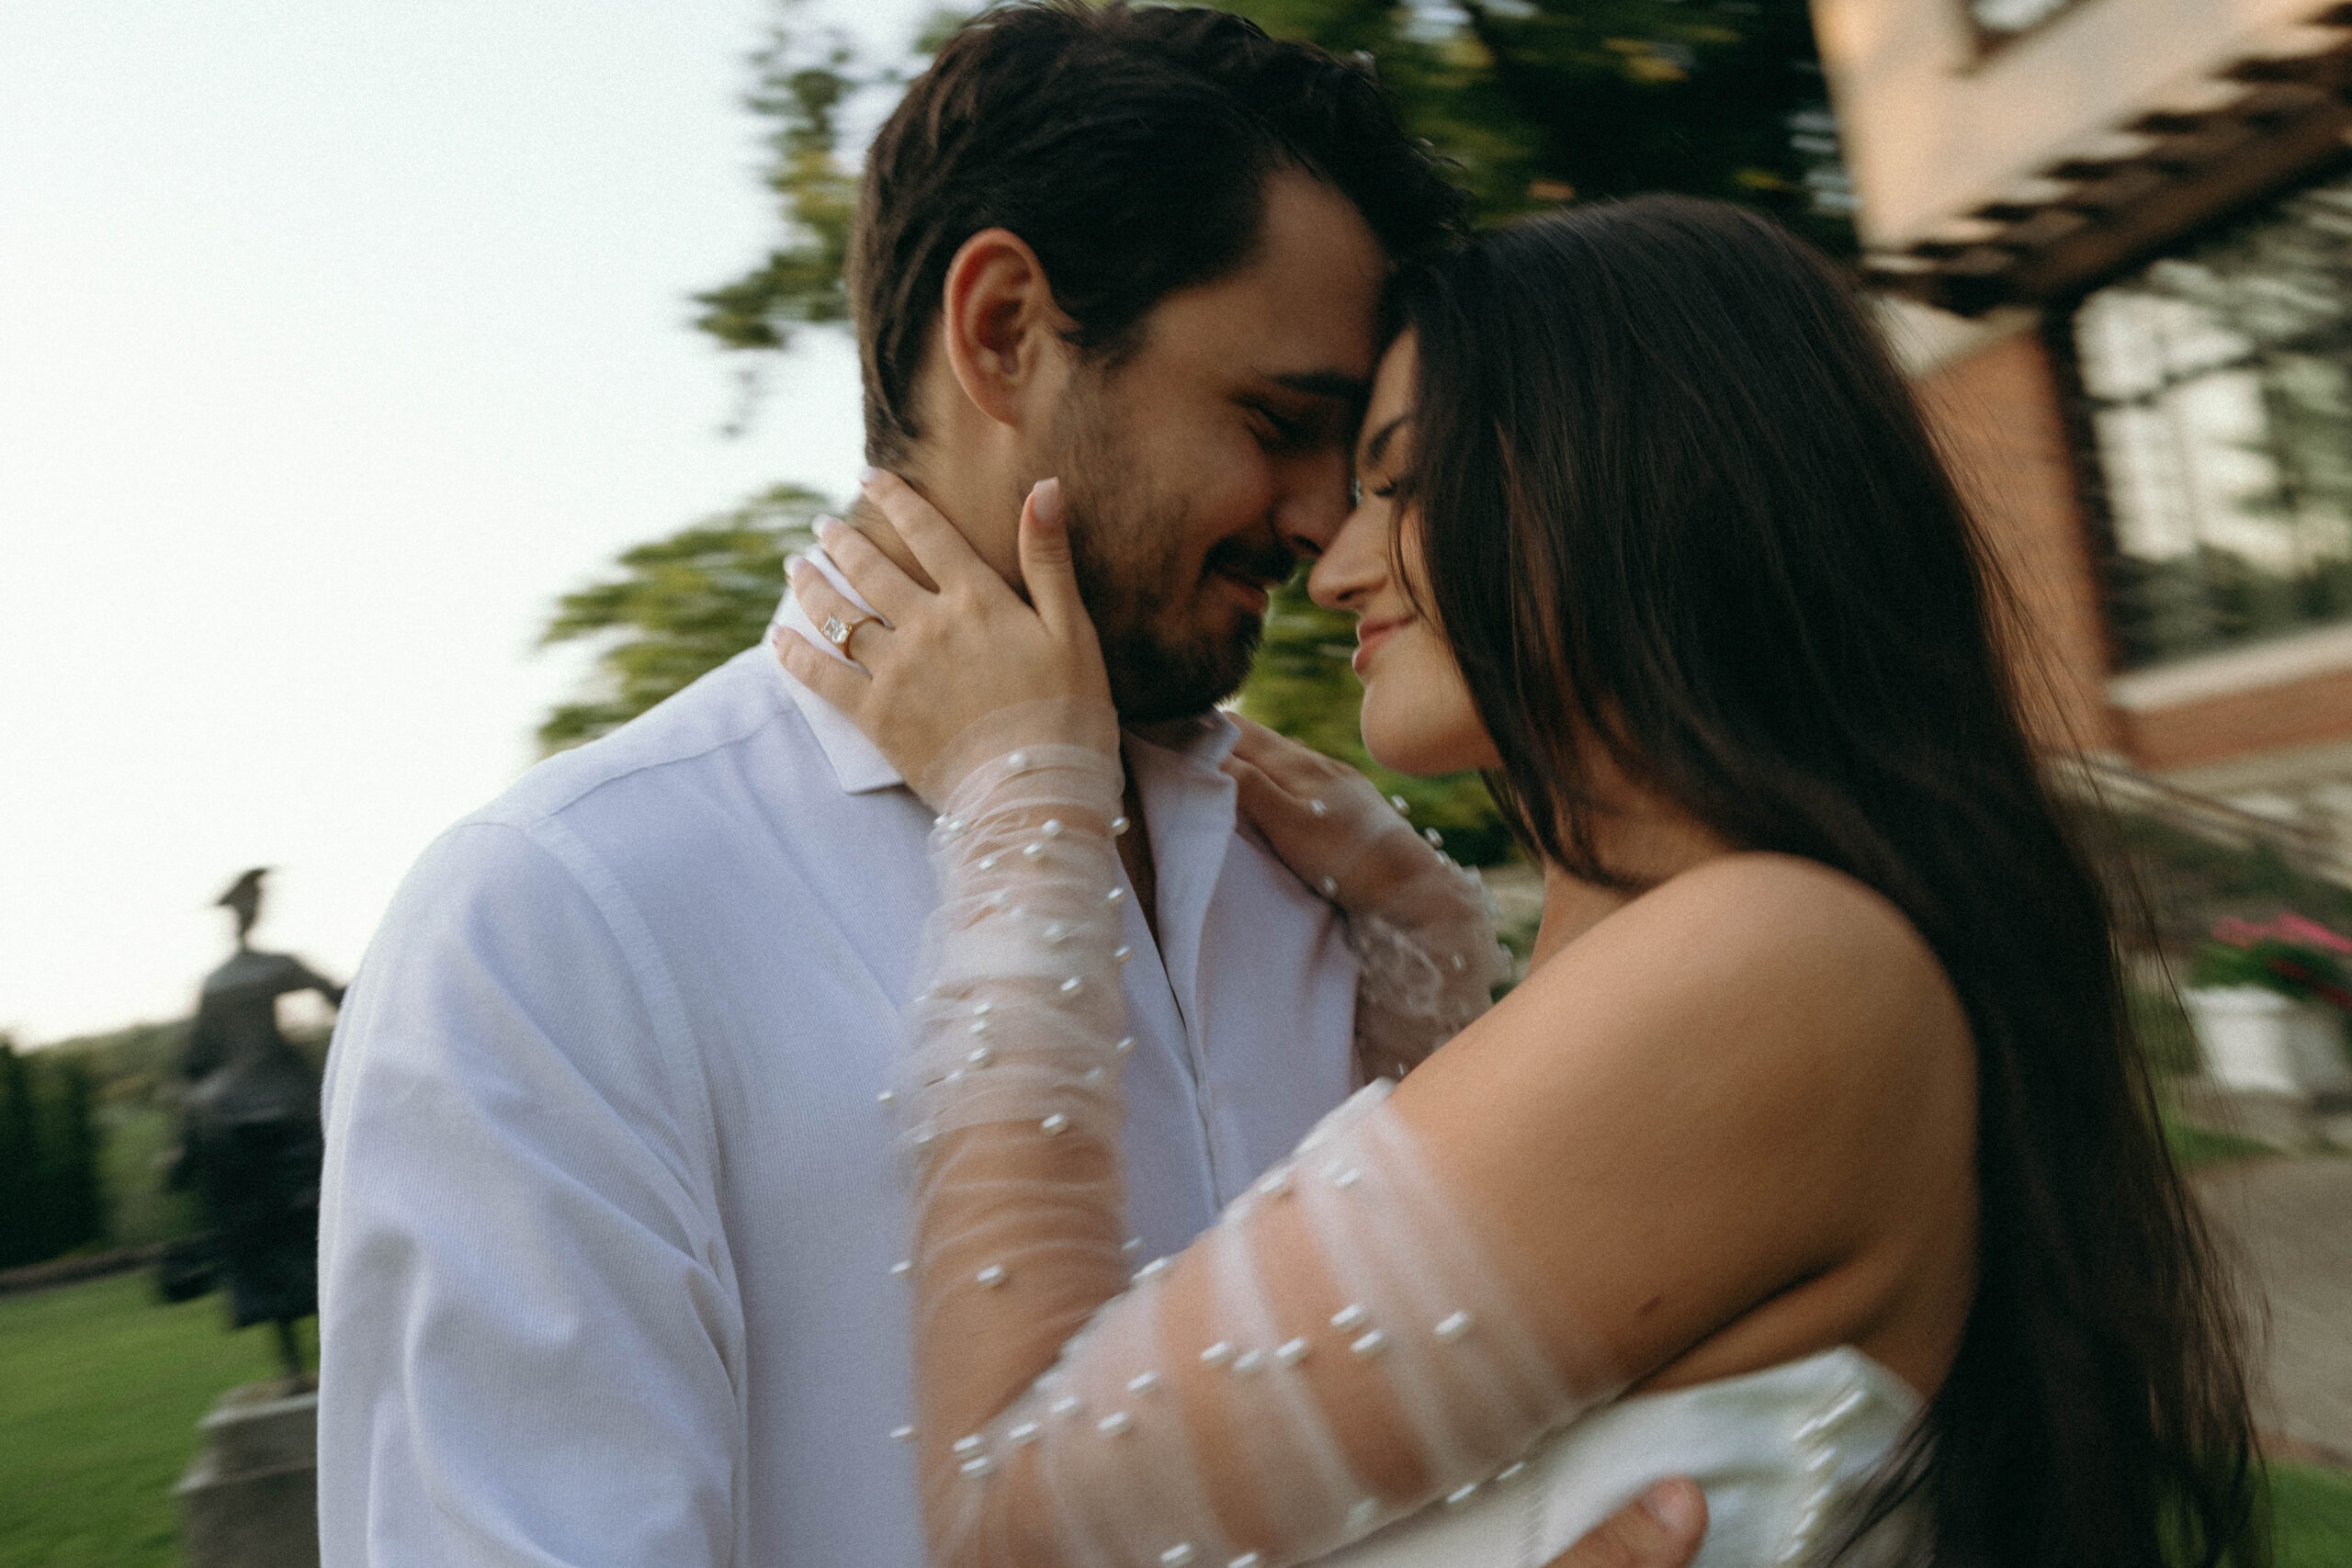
[[1777, 1451]]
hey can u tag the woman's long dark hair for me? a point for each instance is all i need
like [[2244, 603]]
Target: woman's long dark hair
[[1679, 506]]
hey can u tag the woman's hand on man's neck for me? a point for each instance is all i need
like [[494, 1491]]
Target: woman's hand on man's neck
[[868, 520]]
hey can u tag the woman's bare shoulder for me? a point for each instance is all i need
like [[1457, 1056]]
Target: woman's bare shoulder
[[1740, 1081], [1769, 976], [1760, 924]]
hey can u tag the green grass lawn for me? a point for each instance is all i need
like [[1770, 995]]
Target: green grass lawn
[[100, 1389]]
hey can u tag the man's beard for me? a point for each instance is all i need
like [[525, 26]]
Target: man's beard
[[1128, 547]]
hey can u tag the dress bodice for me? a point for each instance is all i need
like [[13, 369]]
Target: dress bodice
[[1777, 1451]]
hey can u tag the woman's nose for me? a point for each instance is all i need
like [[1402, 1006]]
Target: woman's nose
[[1355, 565]]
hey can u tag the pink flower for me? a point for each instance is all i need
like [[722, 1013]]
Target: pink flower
[[2235, 932], [2294, 928]]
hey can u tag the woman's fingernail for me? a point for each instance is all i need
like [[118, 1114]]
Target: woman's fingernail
[[824, 525], [1673, 1505], [868, 478], [1048, 498]]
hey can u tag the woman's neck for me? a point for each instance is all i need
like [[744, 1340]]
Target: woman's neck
[[1647, 846]]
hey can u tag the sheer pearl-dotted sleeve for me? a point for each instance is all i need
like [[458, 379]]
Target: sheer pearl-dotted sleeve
[[1422, 928], [1429, 964], [1338, 1350]]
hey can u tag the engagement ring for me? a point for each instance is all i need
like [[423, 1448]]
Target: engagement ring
[[838, 632]]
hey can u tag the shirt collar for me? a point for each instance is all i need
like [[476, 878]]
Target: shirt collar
[[1202, 742]]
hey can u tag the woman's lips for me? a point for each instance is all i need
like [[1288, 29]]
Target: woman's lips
[[1370, 635]]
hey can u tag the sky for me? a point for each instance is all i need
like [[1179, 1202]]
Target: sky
[[338, 339]]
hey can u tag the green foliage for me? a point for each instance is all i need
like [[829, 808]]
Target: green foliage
[[138, 1143], [803, 76], [680, 607], [2171, 886], [51, 1193], [2293, 957], [134, 1091], [1536, 104], [1539, 104], [135, 1065], [2192, 1145], [2314, 1512]]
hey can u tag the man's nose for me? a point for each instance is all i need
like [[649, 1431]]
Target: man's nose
[[1313, 503]]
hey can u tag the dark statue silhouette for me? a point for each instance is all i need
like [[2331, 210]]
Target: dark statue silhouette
[[250, 1142]]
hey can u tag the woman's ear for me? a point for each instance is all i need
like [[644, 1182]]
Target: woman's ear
[[1004, 330]]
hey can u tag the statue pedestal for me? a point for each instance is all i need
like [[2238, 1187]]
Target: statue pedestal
[[250, 1500]]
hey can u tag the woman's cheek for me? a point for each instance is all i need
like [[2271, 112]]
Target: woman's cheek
[[1418, 716]]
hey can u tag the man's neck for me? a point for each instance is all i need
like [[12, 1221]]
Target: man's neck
[[974, 492], [1135, 846], [883, 534]]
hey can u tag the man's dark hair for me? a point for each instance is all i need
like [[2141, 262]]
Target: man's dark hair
[[1130, 148]]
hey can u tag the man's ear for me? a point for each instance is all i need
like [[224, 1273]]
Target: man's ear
[[1002, 326]]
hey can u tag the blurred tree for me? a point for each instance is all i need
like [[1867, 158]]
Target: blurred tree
[[50, 1196], [76, 1196], [20, 1158], [1536, 102], [802, 76], [682, 606]]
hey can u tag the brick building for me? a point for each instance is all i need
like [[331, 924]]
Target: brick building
[[2115, 238]]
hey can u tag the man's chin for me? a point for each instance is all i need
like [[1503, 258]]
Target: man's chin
[[1153, 680]]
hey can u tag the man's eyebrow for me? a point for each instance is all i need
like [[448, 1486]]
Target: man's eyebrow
[[1379, 442], [1337, 385]]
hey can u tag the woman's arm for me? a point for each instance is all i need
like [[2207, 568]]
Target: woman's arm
[[1675, 1121]]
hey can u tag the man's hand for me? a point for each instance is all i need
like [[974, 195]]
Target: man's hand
[[1661, 1528]]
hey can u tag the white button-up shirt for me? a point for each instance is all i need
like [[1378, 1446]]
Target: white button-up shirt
[[610, 1205]]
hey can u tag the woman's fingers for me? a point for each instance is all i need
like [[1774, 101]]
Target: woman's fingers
[[937, 548], [845, 687], [1661, 1528], [1254, 793], [877, 578], [820, 601], [1045, 564], [1298, 768]]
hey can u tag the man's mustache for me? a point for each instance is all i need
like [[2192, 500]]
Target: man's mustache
[[1268, 562]]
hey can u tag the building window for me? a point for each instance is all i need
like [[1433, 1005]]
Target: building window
[[2219, 389]]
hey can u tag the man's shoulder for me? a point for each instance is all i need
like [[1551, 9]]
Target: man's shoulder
[[669, 747], [727, 765]]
